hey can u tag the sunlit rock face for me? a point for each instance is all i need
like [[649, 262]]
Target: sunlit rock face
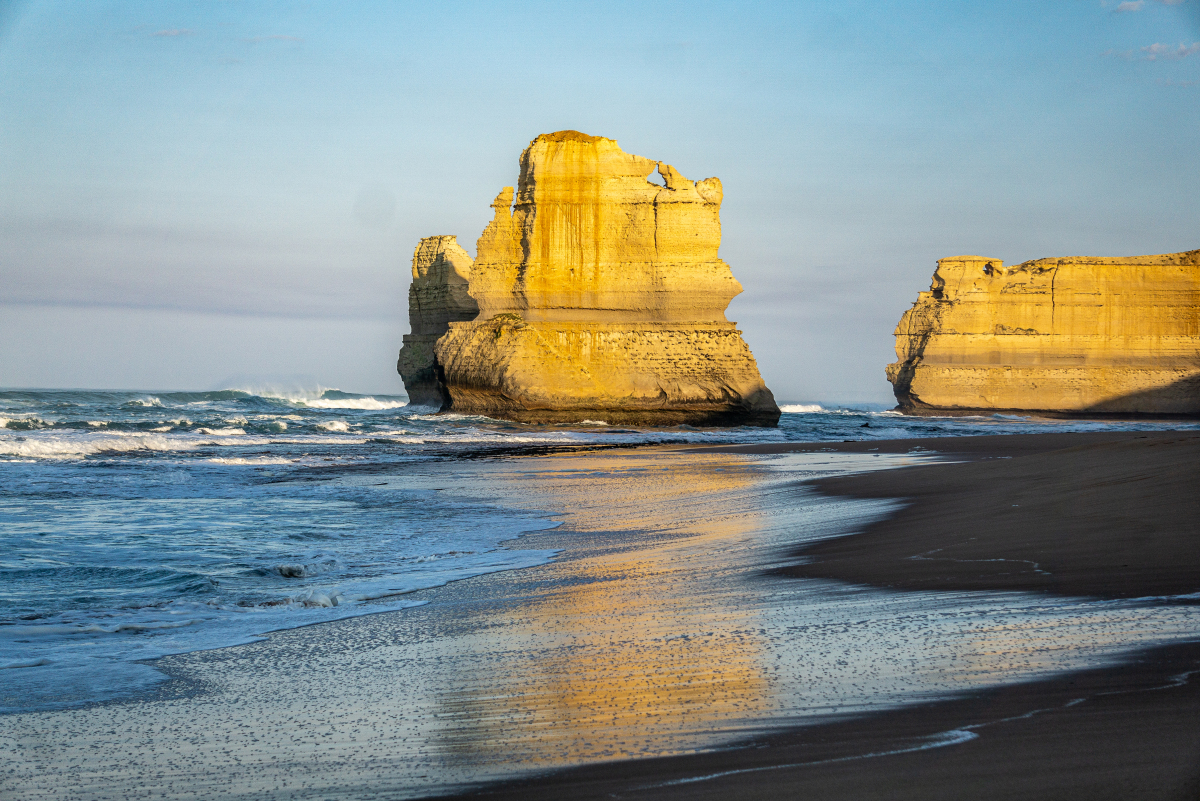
[[601, 297], [1076, 335], [441, 270]]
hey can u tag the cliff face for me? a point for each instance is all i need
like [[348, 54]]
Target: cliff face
[[1068, 335], [601, 296], [441, 272]]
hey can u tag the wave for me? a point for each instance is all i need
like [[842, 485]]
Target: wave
[[364, 404], [68, 446], [144, 402], [319, 398], [333, 425], [258, 461], [801, 408], [29, 422]]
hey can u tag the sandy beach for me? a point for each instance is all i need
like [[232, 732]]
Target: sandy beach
[[1106, 514], [709, 629]]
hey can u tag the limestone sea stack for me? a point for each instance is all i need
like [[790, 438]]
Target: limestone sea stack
[[1074, 335], [601, 297], [441, 270]]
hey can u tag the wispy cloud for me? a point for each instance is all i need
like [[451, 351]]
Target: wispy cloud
[[174, 32], [1127, 6], [1158, 51]]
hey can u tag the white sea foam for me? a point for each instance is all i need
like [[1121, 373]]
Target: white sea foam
[[319, 599], [801, 408], [148, 401], [222, 432], [315, 398], [333, 425], [367, 404], [258, 461], [49, 446]]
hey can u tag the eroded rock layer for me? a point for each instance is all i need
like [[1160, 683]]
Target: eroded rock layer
[[601, 297], [1076, 335], [441, 271]]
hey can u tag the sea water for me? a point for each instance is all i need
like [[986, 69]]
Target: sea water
[[139, 524]]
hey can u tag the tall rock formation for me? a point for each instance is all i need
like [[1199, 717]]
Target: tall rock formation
[[1076, 335], [601, 297], [441, 271]]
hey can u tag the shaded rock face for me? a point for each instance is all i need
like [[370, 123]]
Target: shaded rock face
[[601, 297], [441, 271], [1076, 335]]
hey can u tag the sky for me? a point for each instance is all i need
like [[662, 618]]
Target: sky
[[202, 195]]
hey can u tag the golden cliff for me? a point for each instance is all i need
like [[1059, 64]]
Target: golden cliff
[[441, 271], [1077, 335], [601, 297]]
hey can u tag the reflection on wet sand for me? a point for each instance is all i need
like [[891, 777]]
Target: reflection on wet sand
[[638, 653]]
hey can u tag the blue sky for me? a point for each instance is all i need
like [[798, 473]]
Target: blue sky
[[198, 193]]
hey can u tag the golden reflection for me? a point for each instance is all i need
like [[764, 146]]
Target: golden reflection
[[636, 649]]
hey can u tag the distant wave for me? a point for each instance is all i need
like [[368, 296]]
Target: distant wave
[[801, 408], [322, 398], [368, 403]]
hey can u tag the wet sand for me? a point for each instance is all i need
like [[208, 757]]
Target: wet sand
[[1116, 733], [1108, 514], [1104, 515]]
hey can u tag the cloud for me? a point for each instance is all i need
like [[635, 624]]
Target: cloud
[[1127, 6], [174, 32], [1158, 51]]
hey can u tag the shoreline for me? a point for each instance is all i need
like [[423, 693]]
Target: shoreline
[[1104, 515], [1110, 733]]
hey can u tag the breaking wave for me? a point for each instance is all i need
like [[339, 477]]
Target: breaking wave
[[801, 408], [73, 446]]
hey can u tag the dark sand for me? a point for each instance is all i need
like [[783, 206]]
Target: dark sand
[[1109, 514]]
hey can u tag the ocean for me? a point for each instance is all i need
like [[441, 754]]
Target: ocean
[[134, 525]]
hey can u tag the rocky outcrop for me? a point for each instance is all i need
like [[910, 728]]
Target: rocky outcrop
[[602, 297], [1076, 335], [441, 271]]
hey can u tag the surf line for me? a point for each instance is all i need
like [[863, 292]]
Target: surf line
[[943, 739]]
